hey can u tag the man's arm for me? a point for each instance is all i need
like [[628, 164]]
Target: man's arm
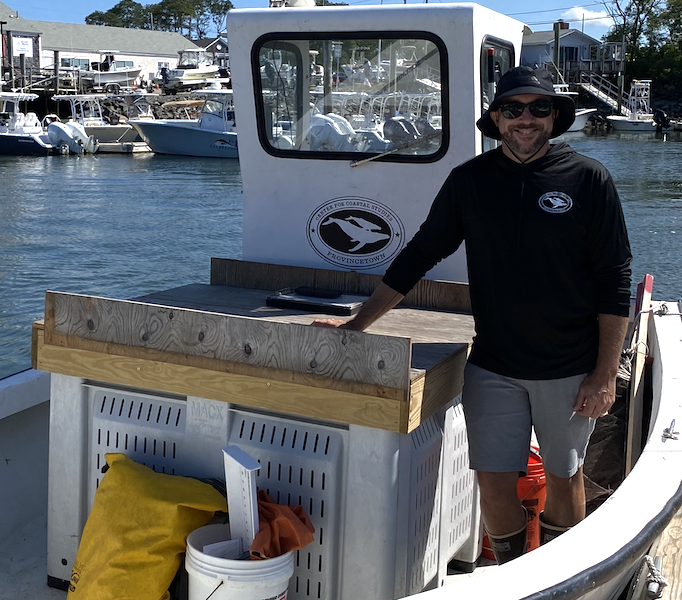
[[598, 392], [383, 299]]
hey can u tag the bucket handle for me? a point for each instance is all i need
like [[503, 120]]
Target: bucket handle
[[215, 590], [536, 482]]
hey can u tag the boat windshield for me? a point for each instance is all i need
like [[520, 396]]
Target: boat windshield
[[335, 96], [213, 107]]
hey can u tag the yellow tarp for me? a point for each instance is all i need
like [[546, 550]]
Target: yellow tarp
[[134, 538]]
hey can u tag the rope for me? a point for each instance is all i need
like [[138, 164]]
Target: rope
[[656, 577]]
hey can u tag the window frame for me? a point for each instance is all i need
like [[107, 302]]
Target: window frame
[[343, 36]]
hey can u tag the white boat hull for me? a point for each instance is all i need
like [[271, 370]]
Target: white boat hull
[[582, 116], [123, 78], [186, 138], [113, 133], [639, 125]]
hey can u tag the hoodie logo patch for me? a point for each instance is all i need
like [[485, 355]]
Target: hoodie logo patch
[[555, 202]]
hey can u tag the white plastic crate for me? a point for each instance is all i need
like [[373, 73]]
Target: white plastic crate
[[389, 512]]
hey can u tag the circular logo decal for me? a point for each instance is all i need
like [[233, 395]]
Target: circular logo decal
[[555, 202], [355, 233]]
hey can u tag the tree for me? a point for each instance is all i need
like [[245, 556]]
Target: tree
[[633, 19], [127, 13], [218, 10], [108, 18], [172, 15], [188, 17]]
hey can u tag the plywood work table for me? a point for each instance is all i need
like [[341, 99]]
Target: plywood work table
[[221, 341], [363, 429]]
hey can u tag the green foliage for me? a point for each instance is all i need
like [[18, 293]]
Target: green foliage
[[652, 30], [188, 17]]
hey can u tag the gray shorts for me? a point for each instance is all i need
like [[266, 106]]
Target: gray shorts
[[500, 412]]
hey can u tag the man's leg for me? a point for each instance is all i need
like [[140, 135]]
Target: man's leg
[[564, 505], [563, 439], [500, 504], [565, 501], [504, 518]]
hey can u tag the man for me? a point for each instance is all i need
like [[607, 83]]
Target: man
[[549, 272]]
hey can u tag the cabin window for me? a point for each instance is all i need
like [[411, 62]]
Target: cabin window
[[497, 58], [80, 63], [330, 97]]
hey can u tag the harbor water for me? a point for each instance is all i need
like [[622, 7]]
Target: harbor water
[[124, 225]]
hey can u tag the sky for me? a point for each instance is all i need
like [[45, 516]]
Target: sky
[[592, 18]]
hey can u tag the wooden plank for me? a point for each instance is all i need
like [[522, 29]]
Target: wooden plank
[[436, 295], [73, 320], [223, 366], [636, 390], [262, 393], [435, 388], [427, 326]]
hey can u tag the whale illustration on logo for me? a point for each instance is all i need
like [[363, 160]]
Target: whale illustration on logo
[[355, 232], [358, 230], [555, 202]]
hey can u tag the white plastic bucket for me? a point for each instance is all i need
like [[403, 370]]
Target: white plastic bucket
[[229, 579]]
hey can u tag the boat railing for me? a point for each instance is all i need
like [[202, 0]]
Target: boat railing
[[45, 79], [606, 91]]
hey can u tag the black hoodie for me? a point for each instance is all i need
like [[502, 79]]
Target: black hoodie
[[547, 251]]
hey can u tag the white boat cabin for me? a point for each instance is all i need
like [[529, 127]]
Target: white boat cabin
[[406, 114]]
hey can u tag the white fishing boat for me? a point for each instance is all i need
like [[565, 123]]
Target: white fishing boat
[[365, 430], [638, 116], [23, 134], [195, 69], [213, 134], [110, 74], [86, 109]]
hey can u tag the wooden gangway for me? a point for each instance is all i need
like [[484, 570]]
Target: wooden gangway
[[604, 90]]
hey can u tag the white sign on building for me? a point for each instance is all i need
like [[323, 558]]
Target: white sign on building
[[22, 45]]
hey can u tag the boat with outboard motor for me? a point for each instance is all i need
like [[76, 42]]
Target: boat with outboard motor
[[109, 74], [23, 134], [195, 69], [213, 134], [638, 115], [363, 429], [86, 110]]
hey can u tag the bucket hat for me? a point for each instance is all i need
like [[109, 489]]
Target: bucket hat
[[525, 80]]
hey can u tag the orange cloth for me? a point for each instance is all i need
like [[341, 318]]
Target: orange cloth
[[282, 528]]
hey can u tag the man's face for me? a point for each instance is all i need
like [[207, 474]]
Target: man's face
[[526, 134]]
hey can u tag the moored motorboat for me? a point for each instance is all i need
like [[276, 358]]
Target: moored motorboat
[[636, 123], [23, 134], [213, 134], [638, 115], [86, 109], [582, 115]]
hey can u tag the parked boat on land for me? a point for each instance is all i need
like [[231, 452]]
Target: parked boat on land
[[23, 134], [213, 134], [109, 74], [195, 70], [389, 489]]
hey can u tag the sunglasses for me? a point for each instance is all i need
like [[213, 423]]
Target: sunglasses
[[537, 108]]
